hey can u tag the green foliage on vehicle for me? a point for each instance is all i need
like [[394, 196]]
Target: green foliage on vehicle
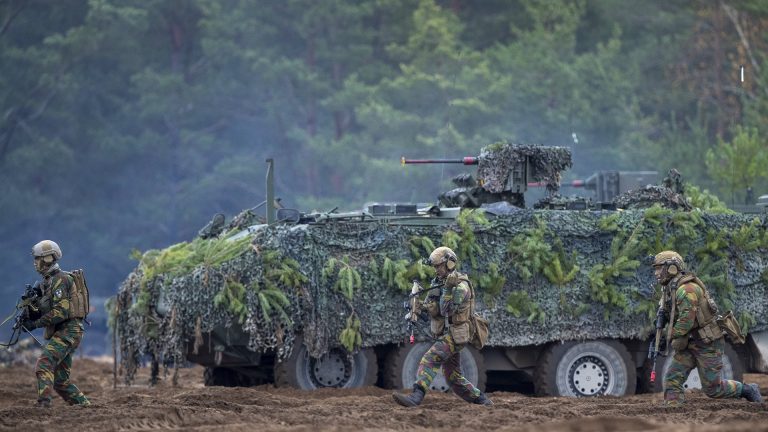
[[350, 337], [520, 305], [530, 252], [232, 298], [347, 278], [491, 283]]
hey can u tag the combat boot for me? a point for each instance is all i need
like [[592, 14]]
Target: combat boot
[[81, 403], [483, 400], [410, 400], [751, 392], [43, 403]]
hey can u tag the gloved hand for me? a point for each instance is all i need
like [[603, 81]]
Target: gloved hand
[[680, 343], [28, 324], [452, 280]]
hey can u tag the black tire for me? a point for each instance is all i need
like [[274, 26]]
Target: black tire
[[733, 369], [335, 369], [403, 361], [589, 368]]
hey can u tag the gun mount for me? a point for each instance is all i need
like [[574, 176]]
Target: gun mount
[[503, 173]]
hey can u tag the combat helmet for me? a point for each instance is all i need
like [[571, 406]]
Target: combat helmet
[[672, 261], [47, 248], [443, 255]]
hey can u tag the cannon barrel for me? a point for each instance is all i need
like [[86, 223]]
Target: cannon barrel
[[467, 160], [574, 183]]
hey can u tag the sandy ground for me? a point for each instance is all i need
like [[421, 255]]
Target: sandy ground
[[192, 407]]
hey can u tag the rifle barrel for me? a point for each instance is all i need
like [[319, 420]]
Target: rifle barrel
[[467, 160]]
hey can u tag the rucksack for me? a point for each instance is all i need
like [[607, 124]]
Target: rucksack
[[80, 303]]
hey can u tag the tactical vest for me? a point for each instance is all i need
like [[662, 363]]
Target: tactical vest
[[79, 301], [707, 328], [458, 324]]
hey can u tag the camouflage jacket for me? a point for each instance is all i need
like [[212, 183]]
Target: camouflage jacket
[[686, 297], [55, 303], [455, 301]]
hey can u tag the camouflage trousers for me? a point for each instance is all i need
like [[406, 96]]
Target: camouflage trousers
[[444, 352], [55, 363], [708, 358]]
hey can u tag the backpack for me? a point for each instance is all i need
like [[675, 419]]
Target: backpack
[[478, 324], [80, 303]]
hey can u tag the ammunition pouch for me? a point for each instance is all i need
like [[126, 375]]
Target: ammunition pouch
[[730, 326], [710, 332], [461, 333], [437, 326]]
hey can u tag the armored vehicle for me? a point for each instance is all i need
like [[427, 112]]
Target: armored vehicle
[[316, 300]]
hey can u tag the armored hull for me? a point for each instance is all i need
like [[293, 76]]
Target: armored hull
[[319, 302]]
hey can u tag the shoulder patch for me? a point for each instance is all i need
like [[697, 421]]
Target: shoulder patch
[[58, 294]]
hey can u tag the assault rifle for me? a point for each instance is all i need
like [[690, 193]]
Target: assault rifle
[[415, 312], [26, 309], [657, 341]]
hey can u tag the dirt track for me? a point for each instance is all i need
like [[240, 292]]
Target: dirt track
[[191, 406]]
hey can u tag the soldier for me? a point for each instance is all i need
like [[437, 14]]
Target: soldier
[[695, 334], [63, 328], [450, 325]]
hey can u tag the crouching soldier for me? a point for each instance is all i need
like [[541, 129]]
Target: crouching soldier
[[695, 334], [450, 324], [62, 310]]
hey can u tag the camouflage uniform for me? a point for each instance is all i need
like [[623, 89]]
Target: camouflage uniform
[[698, 343], [64, 334], [450, 323], [706, 355], [445, 351]]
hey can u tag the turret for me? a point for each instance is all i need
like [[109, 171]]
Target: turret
[[503, 173]]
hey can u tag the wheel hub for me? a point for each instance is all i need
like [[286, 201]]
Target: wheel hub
[[331, 370], [588, 376]]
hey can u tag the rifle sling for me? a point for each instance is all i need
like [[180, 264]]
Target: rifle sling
[[671, 321]]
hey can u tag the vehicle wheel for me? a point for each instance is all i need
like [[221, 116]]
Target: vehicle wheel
[[732, 370], [589, 368], [335, 369], [218, 376], [403, 363]]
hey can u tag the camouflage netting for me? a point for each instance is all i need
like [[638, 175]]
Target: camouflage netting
[[650, 195], [497, 161], [541, 276]]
